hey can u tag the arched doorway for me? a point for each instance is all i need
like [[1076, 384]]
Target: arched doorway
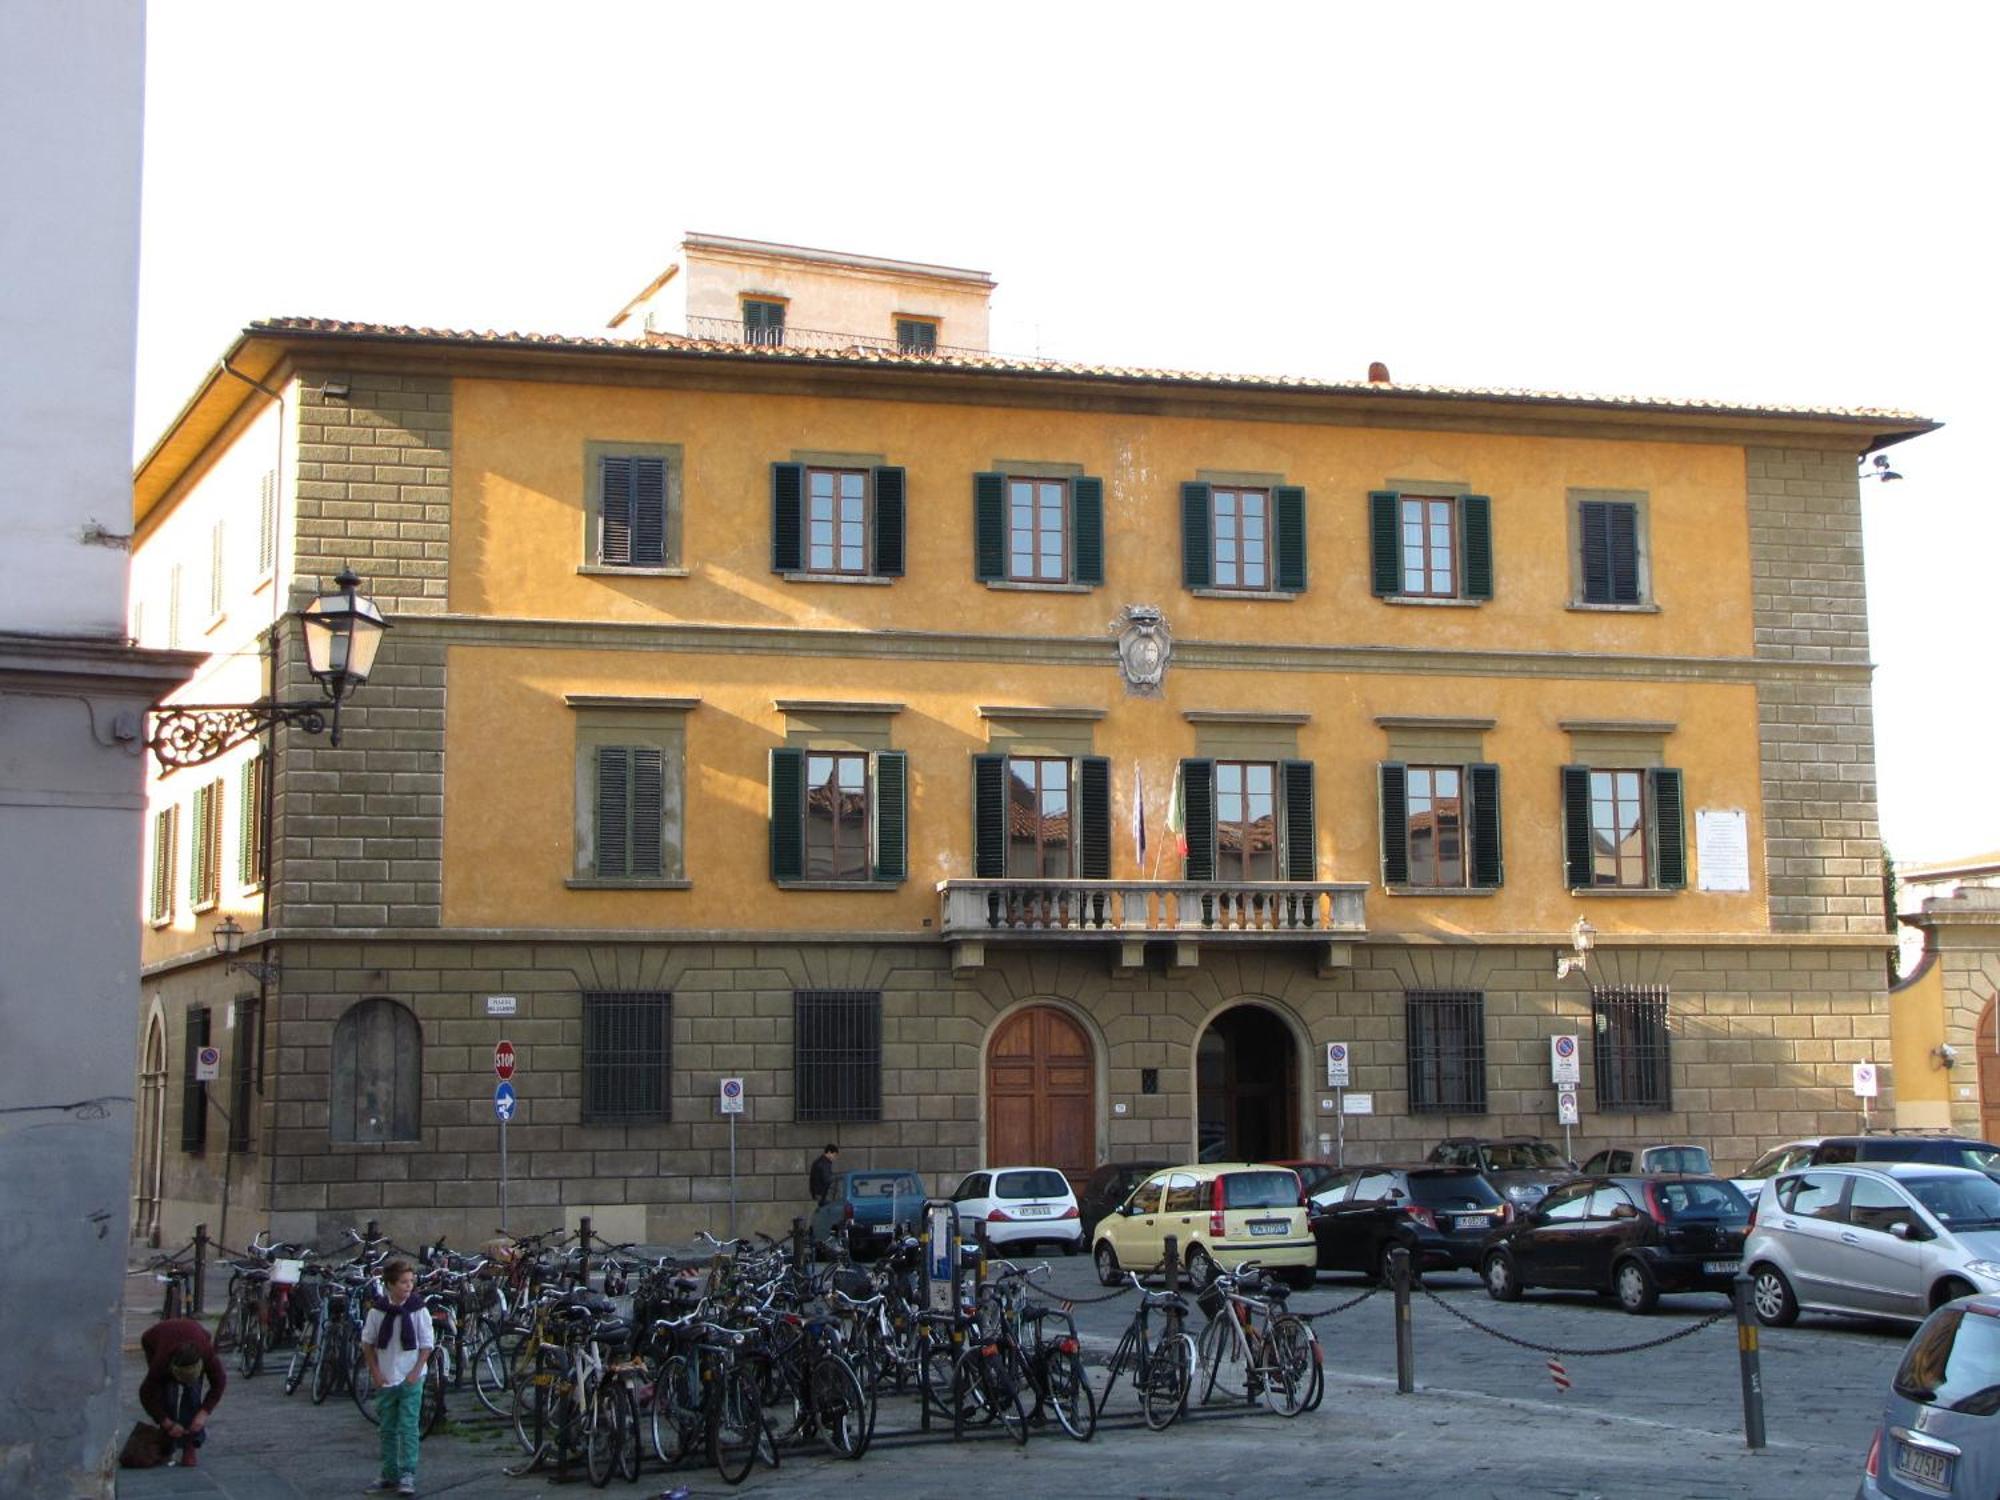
[[1246, 1087], [1988, 1047], [1041, 1094], [152, 1123]]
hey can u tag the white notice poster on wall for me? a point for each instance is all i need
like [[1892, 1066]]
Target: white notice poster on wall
[[1722, 848]]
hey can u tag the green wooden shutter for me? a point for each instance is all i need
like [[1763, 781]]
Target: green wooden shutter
[[1086, 530], [648, 803], [614, 812], [788, 814], [1301, 848], [1290, 538], [989, 816], [1093, 818], [1669, 830], [1395, 781], [788, 520], [267, 521], [890, 514], [614, 511], [1385, 542], [1197, 538], [246, 823], [989, 526], [1622, 540], [649, 512], [1576, 826], [194, 1096], [1198, 805], [1475, 535], [891, 774], [1488, 868]]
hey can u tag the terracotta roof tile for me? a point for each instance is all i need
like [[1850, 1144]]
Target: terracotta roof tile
[[1007, 364]]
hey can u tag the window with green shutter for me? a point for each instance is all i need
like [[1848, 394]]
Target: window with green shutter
[[1441, 826], [763, 321], [838, 817], [1608, 543], [205, 858], [1430, 546], [166, 848], [194, 1094], [631, 794], [916, 336], [1624, 828], [1248, 820], [253, 802], [632, 503], [837, 521], [267, 522]]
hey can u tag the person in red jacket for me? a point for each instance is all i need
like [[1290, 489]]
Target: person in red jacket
[[184, 1381]]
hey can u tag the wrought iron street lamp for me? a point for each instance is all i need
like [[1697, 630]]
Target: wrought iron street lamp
[[228, 936], [340, 632]]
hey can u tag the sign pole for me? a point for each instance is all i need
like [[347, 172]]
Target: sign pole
[[503, 1174], [732, 1176], [1340, 1127]]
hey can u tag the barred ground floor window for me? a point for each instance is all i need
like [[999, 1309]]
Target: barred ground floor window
[[1632, 1047]]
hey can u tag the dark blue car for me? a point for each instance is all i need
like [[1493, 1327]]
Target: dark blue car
[[873, 1205]]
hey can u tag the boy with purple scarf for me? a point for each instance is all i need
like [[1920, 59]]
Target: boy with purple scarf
[[398, 1340]]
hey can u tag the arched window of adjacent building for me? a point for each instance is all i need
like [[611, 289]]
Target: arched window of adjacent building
[[378, 1070]]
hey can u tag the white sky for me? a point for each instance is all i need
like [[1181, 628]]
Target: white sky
[[1777, 202]]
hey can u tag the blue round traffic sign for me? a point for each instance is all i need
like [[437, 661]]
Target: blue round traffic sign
[[732, 1088], [503, 1101]]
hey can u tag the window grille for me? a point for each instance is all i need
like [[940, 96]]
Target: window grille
[[1632, 1047], [627, 1057], [837, 1054], [1446, 1040]]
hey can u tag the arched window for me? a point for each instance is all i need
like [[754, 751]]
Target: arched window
[[378, 1070]]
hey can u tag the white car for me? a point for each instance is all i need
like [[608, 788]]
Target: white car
[[1020, 1206]]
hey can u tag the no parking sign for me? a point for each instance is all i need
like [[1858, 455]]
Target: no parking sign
[[1565, 1065]]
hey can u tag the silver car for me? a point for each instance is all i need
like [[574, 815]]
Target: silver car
[[1894, 1241], [1938, 1436], [1750, 1182]]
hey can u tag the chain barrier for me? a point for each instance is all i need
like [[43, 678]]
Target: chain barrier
[[1068, 1303], [1679, 1333], [1328, 1312]]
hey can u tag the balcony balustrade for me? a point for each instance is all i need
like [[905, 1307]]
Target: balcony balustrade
[[1130, 912]]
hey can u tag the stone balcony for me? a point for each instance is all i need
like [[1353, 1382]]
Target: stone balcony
[[1130, 913]]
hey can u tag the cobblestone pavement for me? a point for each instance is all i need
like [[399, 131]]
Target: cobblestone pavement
[[1486, 1421]]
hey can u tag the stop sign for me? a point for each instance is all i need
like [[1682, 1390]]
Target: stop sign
[[503, 1059]]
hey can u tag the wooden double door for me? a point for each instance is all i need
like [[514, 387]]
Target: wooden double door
[[1041, 1094]]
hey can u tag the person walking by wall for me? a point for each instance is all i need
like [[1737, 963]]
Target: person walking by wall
[[184, 1381], [821, 1177], [397, 1338]]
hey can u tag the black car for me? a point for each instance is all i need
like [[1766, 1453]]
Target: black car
[[1520, 1167], [1626, 1237], [1932, 1150], [1109, 1186], [1441, 1215]]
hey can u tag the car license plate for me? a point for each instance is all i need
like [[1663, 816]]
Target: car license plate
[[1721, 1267], [1471, 1221], [1932, 1470], [1033, 1211], [1268, 1226]]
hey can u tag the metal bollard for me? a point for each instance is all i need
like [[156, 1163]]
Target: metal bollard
[[1406, 1345], [200, 1287], [583, 1235], [1172, 1259], [1750, 1363], [372, 1233]]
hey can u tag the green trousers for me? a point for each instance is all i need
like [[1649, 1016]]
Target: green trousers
[[400, 1408]]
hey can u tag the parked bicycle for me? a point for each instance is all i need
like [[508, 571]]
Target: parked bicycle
[[1161, 1365]]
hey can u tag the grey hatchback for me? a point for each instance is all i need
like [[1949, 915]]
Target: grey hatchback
[[1938, 1435]]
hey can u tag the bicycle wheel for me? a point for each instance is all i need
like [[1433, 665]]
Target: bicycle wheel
[[839, 1406], [1168, 1376], [936, 1378], [531, 1403], [735, 1426], [249, 1339], [630, 1439], [361, 1385], [676, 1413], [325, 1372], [1289, 1345], [1220, 1360], [492, 1365], [1067, 1389], [437, 1375], [600, 1441], [995, 1379], [301, 1363]]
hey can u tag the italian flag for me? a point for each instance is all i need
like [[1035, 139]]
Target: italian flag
[[1177, 813]]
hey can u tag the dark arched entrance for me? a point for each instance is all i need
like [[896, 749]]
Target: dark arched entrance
[[1246, 1087]]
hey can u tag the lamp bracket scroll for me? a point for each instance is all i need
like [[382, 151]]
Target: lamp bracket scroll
[[228, 937], [192, 734]]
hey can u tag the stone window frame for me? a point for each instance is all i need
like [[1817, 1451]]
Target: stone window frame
[[603, 720], [1444, 1037], [1256, 737], [1648, 602], [839, 461], [1043, 734], [1269, 482], [595, 451], [1031, 470], [842, 727]]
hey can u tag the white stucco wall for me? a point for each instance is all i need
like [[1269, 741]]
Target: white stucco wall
[[72, 80]]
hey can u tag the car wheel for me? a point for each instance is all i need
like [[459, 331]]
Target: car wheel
[[1950, 1290], [1634, 1284], [1200, 1269], [1501, 1283], [1776, 1304], [1107, 1264]]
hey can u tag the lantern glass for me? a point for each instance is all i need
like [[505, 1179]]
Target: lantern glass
[[342, 633]]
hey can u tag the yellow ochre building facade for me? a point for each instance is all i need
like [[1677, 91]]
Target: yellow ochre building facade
[[785, 704]]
